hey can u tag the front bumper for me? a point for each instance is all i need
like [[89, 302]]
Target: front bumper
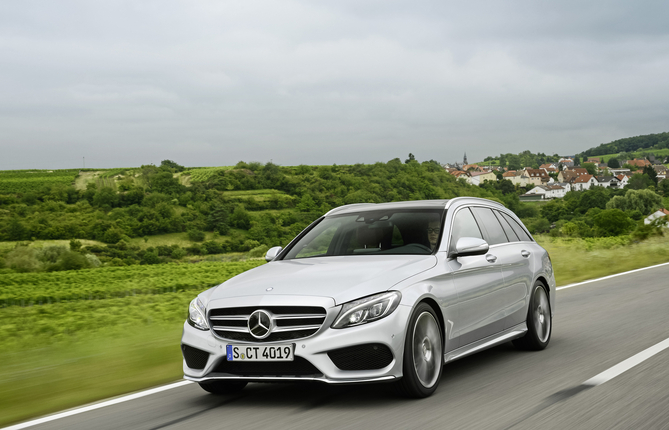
[[389, 331]]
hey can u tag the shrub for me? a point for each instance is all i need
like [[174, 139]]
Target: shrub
[[178, 253], [211, 247], [195, 235], [75, 245], [150, 258], [258, 251]]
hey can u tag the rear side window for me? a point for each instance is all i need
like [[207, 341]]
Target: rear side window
[[464, 225], [507, 228], [495, 232], [517, 228]]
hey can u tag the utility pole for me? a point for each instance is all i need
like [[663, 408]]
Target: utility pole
[[84, 162]]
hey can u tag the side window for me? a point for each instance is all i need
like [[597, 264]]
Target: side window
[[464, 225], [518, 229], [507, 228], [495, 232]]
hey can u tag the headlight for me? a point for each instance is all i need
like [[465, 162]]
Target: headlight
[[196, 314], [366, 310]]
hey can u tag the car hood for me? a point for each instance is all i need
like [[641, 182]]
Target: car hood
[[342, 278]]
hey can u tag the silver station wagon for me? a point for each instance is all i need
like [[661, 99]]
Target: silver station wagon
[[372, 293]]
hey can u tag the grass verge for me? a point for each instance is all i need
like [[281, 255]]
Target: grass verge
[[576, 260]]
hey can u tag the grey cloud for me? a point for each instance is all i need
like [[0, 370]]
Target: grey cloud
[[210, 83]]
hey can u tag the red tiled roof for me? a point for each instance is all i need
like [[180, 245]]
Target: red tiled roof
[[582, 179]]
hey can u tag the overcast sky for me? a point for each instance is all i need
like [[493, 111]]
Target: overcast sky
[[210, 83]]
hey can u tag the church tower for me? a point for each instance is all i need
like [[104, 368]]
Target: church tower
[[464, 162]]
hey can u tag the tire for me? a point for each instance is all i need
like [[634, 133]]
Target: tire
[[423, 354], [539, 321], [223, 387]]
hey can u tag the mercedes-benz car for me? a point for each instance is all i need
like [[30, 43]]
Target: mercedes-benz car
[[384, 292]]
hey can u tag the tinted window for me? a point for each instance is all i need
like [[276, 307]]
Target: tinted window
[[507, 228], [495, 233], [517, 228], [464, 225]]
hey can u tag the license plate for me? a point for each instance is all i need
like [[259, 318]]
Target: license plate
[[260, 352]]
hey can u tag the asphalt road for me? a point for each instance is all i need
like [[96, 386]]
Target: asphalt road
[[596, 326]]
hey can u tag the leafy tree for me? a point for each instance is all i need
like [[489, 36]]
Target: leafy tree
[[105, 196], [172, 165], [613, 163], [164, 182], [218, 218], [644, 201], [640, 181], [16, 230], [411, 158], [651, 173], [590, 167], [240, 218], [307, 204], [613, 222]]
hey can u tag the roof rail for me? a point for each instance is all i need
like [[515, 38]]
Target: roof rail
[[339, 208], [471, 199]]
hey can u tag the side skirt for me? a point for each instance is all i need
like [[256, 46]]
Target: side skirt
[[488, 342]]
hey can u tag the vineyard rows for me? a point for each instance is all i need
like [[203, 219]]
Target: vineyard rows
[[27, 289], [23, 181], [203, 174]]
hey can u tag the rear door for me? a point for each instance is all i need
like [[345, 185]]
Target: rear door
[[477, 280], [513, 259]]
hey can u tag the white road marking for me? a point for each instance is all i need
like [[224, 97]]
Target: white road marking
[[626, 365], [597, 380], [610, 276], [94, 406]]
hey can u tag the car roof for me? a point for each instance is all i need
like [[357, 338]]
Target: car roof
[[415, 204]]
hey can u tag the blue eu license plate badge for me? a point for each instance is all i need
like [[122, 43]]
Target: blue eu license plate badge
[[228, 351]]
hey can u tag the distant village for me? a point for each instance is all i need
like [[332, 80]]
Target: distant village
[[554, 180]]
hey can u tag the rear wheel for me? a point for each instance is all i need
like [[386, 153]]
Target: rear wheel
[[539, 321], [223, 387], [423, 354]]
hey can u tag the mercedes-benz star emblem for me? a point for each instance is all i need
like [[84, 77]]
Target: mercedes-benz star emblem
[[260, 324]]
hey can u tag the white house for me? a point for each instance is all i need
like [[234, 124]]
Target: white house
[[607, 181], [584, 182], [655, 215], [548, 191]]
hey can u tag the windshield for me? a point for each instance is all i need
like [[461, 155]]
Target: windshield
[[401, 231]]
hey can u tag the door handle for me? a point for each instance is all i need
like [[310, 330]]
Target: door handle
[[491, 258], [525, 253]]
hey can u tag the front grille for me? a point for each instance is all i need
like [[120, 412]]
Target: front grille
[[288, 322], [362, 357], [297, 367], [195, 358]]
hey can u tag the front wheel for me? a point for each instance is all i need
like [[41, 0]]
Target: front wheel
[[539, 321], [423, 354], [223, 387]]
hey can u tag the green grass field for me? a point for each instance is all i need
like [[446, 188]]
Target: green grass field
[[104, 332]]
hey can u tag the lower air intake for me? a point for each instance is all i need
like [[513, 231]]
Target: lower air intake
[[369, 356], [195, 358], [297, 367]]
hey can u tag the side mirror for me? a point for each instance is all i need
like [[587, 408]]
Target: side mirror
[[470, 246], [272, 253]]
